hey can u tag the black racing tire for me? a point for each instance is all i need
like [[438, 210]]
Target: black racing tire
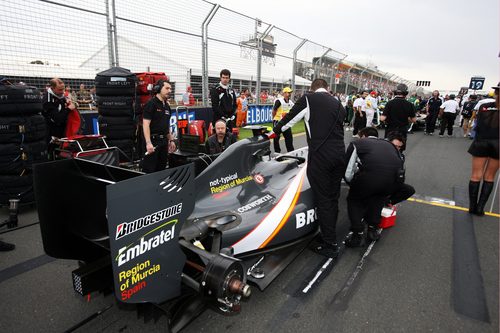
[[116, 106], [115, 81], [116, 128], [16, 158], [16, 187], [19, 100], [22, 129]]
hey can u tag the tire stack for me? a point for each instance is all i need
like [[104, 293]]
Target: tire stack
[[115, 89], [23, 143]]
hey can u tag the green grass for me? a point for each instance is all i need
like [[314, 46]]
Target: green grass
[[297, 128]]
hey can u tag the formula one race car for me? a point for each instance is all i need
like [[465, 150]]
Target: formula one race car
[[173, 240]]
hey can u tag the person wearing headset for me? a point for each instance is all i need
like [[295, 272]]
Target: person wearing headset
[[156, 128]]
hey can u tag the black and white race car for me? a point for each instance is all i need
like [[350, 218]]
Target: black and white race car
[[174, 240]]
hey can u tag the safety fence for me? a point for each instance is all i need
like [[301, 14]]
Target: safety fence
[[191, 41]]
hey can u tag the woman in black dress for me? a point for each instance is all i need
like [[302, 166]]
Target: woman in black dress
[[484, 151]]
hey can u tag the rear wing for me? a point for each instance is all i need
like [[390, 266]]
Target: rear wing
[[89, 211]]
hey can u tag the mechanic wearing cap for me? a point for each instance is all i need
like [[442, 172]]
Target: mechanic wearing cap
[[484, 151], [374, 168], [281, 107], [156, 129], [371, 107], [398, 112], [323, 117], [447, 114], [223, 100]]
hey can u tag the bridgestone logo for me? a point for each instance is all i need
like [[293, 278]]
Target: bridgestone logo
[[127, 228]]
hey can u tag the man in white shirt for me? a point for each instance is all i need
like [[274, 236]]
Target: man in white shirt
[[371, 107], [359, 113], [447, 114]]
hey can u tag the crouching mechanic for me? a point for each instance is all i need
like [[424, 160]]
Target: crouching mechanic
[[402, 191], [219, 141], [373, 169], [156, 129]]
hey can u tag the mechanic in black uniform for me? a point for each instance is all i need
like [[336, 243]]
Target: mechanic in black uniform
[[432, 107], [378, 169], [219, 141], [398, 112], [223, 100], [156, 129], [402, 191], [56, 108], [484, 151], [323, 117]]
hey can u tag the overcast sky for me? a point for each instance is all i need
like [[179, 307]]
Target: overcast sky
[[442, 41]]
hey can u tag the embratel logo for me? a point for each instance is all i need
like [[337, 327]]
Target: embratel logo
[[127, 228], [134, 250]]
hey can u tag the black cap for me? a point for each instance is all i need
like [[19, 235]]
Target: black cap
[[401, 88]]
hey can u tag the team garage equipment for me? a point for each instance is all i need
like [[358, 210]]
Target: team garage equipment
[[174, 240], [23, 134], [116, 89]]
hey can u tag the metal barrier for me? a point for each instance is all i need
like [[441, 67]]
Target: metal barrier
[[191, 41]]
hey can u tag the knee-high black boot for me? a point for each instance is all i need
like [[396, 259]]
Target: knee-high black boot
[[485, 194], [473, 193]]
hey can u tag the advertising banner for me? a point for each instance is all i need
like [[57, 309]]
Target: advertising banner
[[145, 217]]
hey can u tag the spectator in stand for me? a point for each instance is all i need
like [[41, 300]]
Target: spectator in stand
[[70, 94], [223, 100], [219, 141], [263, 97], [56, 107], [83, 96], [398, 112], [432, 108], [371, 107], [93, 98], [359, 113], [447, 114], [242, 108], [467, 111], [280, 108], [484, 151], [187, 97]]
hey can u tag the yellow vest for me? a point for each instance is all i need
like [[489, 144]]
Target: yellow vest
[[283, 109]]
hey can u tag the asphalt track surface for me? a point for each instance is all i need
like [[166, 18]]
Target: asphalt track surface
[[436, 270]]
